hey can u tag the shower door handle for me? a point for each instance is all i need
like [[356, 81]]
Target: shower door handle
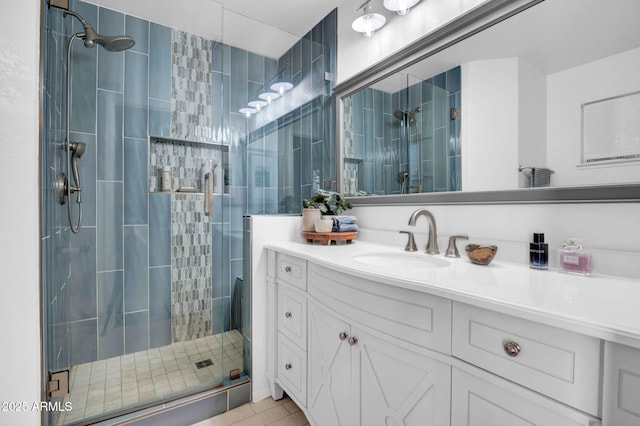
[[208, 194]]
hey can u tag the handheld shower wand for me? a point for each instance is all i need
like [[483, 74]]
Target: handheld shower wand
[[75, 150]]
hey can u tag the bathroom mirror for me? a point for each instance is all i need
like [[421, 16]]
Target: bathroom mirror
[[502, 87]]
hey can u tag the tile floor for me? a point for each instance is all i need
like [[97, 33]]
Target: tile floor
[[106, 385], [266, 412]]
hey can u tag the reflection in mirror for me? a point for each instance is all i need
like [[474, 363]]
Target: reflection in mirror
[[402, 136], [518, 106]]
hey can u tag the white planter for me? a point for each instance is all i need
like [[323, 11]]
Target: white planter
[[309, 217]]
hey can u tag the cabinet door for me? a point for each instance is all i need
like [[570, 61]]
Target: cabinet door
[[329, 369], [481, 399], [397, 386], [621, 396]]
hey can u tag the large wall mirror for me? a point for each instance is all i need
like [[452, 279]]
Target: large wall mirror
[[496, 105]]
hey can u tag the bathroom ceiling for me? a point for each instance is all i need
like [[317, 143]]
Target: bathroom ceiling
[[265, 27]]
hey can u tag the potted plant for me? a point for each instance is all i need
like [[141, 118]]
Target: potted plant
[[326, 203]]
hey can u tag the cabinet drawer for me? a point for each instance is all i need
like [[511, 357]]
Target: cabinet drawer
[[480, 398], [292, 315], [291, 270], [292, 369], [558, 363], [413, 317]]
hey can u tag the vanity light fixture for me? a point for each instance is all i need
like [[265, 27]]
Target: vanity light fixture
[[281, 87], [248, 112], [369, 22], [269, 96], [258, 105], [401, 7]]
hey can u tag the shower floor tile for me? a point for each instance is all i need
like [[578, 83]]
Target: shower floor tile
[[102, 386]]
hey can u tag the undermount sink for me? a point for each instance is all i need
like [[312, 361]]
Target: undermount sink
[[401, 261]]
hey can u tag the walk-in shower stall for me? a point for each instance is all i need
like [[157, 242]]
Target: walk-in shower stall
[[148, 167], [402, 135]]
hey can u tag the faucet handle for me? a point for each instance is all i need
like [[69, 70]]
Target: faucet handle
[[452, 250], [411, 243]]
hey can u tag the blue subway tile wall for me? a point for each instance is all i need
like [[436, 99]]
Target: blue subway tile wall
[[136, 94], [110, 63], [110, 314], [378, 146], [110, 226], [136, 268], [109, 135], [160, 306], [136, 197], [136, 332], [159, 62], [109, 288]]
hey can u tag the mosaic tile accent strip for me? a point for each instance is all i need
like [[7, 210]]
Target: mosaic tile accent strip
[[191, 94], [186, 161], [347, 137], [350, 180], [191, 268]]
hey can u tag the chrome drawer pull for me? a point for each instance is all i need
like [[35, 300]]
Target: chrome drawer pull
[[343, 336], [353, 340], [288, 315], [287, 268], [512, 349], [288, 366]]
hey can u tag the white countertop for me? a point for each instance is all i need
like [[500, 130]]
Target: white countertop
[[601, 306]]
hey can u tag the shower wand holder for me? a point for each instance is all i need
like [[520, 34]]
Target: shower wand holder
[[62, 188]]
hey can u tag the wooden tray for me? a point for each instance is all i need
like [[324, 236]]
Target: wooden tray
[[326, 237]]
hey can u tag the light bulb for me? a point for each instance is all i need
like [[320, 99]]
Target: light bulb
[[269, 96], [248, 112]]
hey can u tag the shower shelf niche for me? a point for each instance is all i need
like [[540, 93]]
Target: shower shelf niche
[[186, 158]]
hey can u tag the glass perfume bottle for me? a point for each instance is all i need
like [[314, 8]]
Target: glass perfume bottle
[[538, 252], [572, 259]]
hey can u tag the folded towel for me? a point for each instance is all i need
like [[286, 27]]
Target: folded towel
[[344, 219], [340, 221], [345, 227]]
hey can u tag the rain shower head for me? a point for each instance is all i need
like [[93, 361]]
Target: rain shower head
[[400, 114], [91, 37], [406, 115]]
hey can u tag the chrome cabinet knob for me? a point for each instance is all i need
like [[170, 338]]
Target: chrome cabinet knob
[[287, 268], [288, 314], [343, 336], [353, 340], [288, 366], [512, 349]]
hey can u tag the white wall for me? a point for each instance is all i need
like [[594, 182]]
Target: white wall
[[264, 229], [19, 245], [532, 119], [489, 126], [356, 53], [605, 229], [566, 92]]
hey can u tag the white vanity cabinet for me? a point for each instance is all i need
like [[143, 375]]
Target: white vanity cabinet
[[621, 386], [360, 378], [370, 349], [554, 362], [354, 349], [482, 399]]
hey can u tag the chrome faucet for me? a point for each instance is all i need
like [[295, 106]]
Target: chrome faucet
[[432, 241]]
